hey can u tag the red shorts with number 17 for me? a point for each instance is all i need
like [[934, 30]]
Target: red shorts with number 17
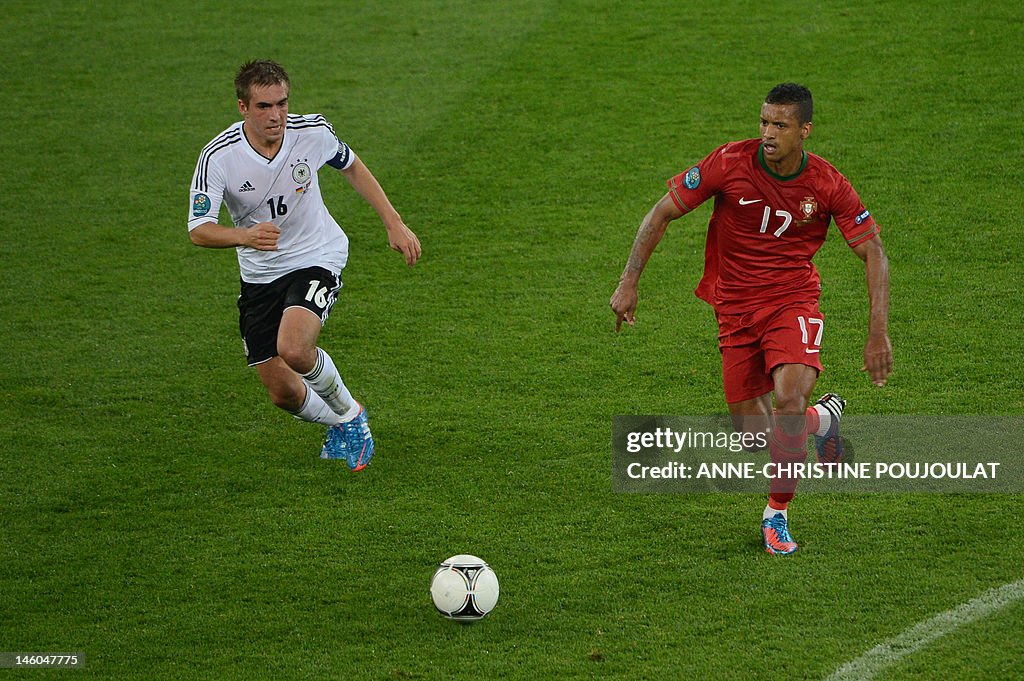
[[754, 343]]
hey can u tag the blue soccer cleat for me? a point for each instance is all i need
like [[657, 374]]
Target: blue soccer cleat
[[334, 442], [351, 441], [777, 539], [830, 446]]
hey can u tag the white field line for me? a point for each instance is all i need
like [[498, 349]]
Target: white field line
[[920, 635]]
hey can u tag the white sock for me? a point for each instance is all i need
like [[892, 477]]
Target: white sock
[[315, 410], [770, 512], [326, 382], [824, 420]]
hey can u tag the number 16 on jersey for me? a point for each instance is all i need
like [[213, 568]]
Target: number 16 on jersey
[[277, 207]]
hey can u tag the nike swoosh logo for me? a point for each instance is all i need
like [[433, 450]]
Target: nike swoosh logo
[[747, 202]]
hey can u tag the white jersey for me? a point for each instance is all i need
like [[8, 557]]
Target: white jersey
[[284, 190]]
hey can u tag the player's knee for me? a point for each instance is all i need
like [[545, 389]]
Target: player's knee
[[790, 413], [790, 405], [299, 359]]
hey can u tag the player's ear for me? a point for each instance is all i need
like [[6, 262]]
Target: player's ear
[[242, 108], [805, 131]]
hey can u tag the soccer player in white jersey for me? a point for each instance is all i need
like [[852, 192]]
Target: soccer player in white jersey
[[290, 250]]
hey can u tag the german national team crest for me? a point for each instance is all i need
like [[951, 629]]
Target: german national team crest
[[301, 173], [808, 207]]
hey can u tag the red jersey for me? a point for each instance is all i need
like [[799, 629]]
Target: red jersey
[[765, 228]]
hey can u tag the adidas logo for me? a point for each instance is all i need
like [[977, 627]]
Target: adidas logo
[[247, 187]]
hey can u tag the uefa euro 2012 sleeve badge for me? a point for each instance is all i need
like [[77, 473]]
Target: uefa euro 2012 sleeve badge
[[692, 178], [200, 205]]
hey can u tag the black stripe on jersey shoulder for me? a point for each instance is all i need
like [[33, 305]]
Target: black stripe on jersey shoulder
[[306, 118], [222, 142], [204, 162], [309, 121], [303, 126], [233, 131]]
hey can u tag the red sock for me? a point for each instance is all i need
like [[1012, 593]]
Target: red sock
[[785, 449], [813, 420]]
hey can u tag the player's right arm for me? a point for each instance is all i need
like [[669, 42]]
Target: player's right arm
[[206, 194], [652, 229], [262, 236]]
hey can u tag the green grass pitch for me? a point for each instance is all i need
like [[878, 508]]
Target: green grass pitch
[[159, 516]]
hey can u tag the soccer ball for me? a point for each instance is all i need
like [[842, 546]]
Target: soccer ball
[[464, 588]]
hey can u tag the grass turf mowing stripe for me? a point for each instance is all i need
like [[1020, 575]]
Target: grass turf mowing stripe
[[896, 648]]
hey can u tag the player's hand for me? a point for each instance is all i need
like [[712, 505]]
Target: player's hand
[[623, 304], [878, 359], [403, 240], [262, 236]]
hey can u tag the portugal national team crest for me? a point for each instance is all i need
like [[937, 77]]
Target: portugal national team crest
[[808, 207]]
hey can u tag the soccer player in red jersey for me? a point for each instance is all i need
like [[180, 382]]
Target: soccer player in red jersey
[[773, 205]]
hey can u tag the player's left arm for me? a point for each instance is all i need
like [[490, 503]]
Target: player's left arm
[[400, 237], [878, 349]]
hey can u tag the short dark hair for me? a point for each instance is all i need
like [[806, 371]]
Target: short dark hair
[[262, 72], [798, 95]]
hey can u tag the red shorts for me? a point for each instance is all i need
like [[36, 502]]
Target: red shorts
[[754, 343]]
